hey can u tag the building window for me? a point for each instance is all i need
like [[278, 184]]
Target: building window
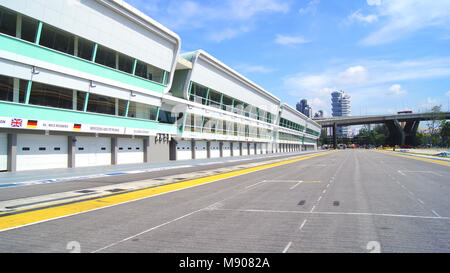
[[8, 21], [57, 39], [29, 29], [84, 48], [126, 63], [142, 111], [106, 57], [166, 117], [12, 89], [17, 25], [52, 96], [106, 105], [150, 72]]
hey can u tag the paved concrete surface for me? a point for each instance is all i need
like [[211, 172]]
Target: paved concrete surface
[[348, 201]]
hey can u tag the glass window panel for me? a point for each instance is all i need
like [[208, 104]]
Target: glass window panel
[[8, 21], [85, 49], [80, 98], [101, 104], [12, 89], [142, 111], [52, 96], [106, 56], [126, 63], [29, 29], [149, 72], [57, 39]]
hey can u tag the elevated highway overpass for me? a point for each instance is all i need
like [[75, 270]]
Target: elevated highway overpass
[[400, 134]]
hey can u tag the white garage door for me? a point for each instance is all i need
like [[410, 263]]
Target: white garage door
[[200, 149], [36, 152], [244, 148], [214, 149], [130, 151], [252, 148], [184, 150], [236, 149], [258, 148], [92, 151], [3, 152], [264, 148], [226, 149]]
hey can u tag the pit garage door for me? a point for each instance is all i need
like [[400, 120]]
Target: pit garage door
[[236, 149], [214, 149], [258, 148], [3, 152], [92, 151], [184, 150], [130, 151], [264, 148], [244, 148], [200, 149], [226, 149], [252, 148], [35, 152]]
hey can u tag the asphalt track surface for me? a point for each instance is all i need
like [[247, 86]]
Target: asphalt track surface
[[345, 201]]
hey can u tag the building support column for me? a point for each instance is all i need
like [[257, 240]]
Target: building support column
[[114, 150], [147, 142], [71, 150], [335, 136], [12, 152]]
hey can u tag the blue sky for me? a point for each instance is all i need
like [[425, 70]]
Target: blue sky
[[388, 55]]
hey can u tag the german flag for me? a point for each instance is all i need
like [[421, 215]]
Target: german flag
[[77, 127], [32, 124]]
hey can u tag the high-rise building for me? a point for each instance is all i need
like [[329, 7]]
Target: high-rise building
[[319, 114], [340, 103], [304, 108]]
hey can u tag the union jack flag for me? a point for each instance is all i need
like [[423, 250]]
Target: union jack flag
[[16, 122]]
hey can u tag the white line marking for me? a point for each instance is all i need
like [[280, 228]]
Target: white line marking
[[287, 247], [420, 201], [252, 185], [340, 213], [303, 224], [313, 208], [435, 213], [295, 185], [146, 231], [324, 191], [328, 185], [400, 172]]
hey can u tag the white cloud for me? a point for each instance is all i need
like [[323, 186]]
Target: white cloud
[[247, 68], [373, 2], [367, 80], [311, 7], [447, 93], [402, 18], [396, 90], [290, 40], [227, 34], [352, 75], [358, 16]]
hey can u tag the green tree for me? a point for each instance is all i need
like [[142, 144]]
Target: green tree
[[445, 133]]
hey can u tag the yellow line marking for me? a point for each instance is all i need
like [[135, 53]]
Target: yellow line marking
[[44, 214], [445, 163]]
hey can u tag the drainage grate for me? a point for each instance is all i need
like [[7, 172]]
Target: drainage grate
[[85, 191], [115, 190]]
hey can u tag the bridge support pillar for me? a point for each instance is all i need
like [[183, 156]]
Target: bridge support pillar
[[335, 136]]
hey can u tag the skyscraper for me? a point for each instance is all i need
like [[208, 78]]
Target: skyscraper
[[340, 107], [304, 108]]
